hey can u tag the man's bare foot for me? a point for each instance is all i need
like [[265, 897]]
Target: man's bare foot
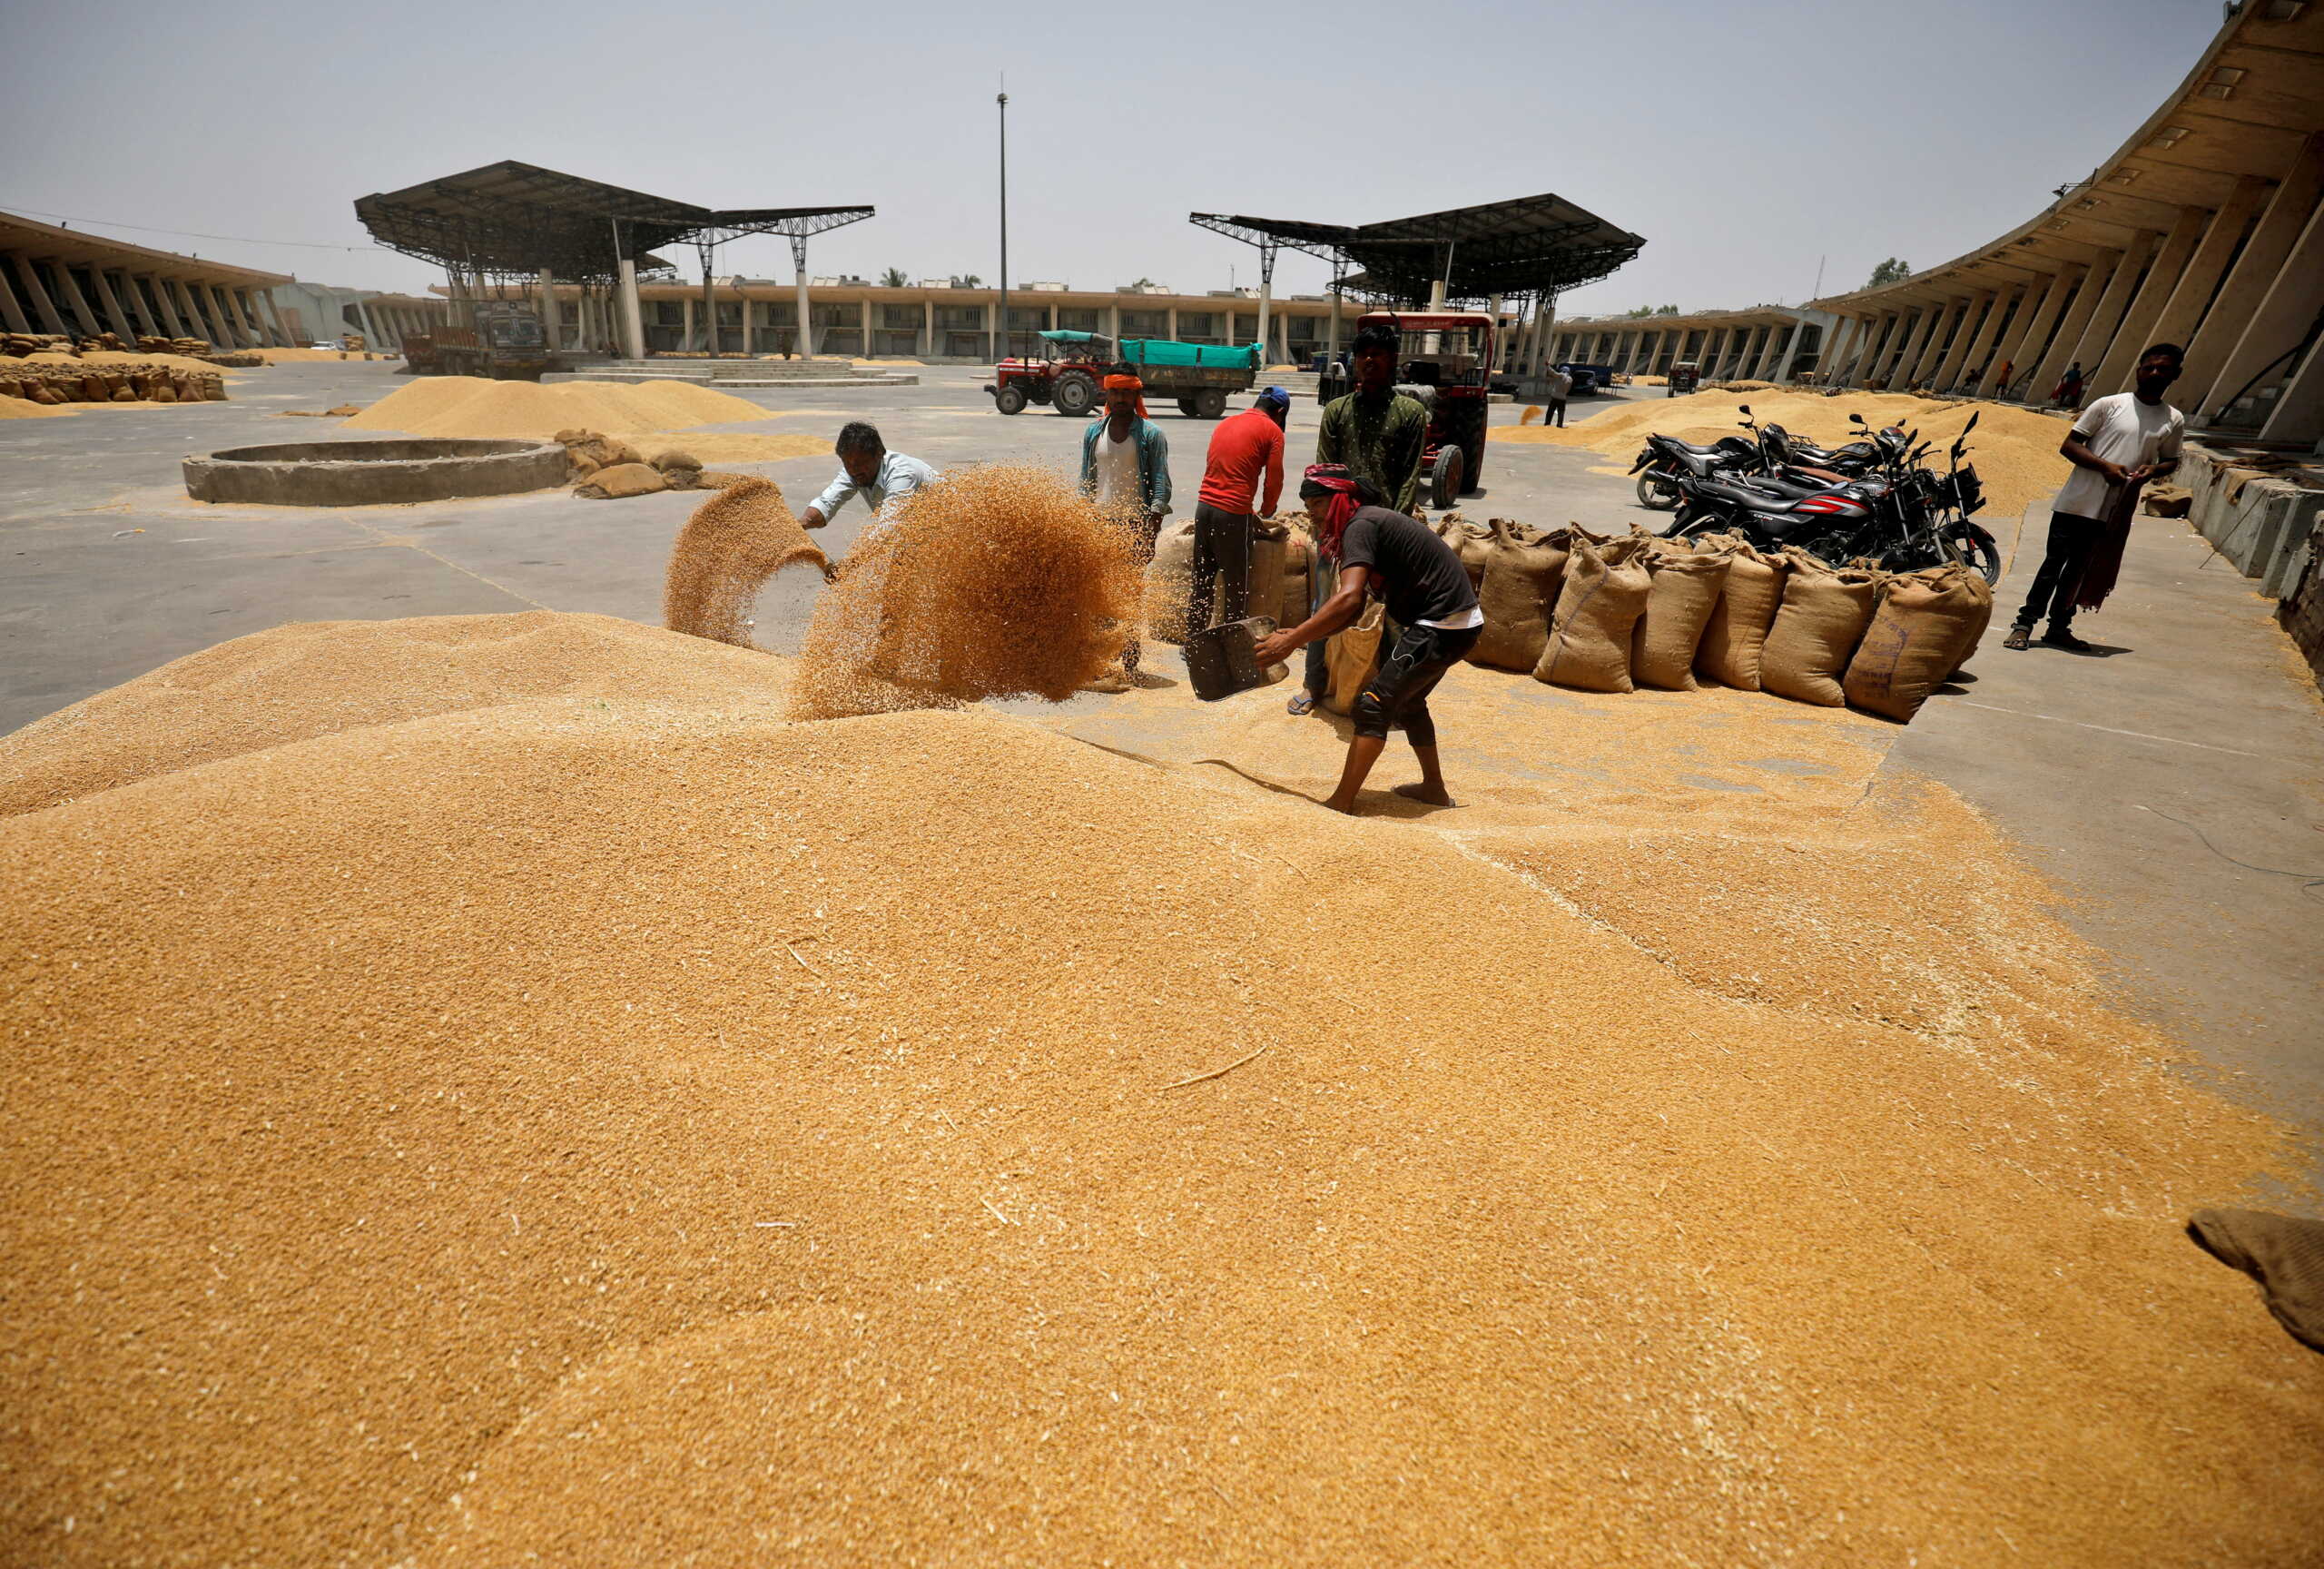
[[1435, 796], [1346, 808]]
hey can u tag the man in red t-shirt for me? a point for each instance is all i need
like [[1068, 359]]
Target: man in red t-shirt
[[1241, 450]]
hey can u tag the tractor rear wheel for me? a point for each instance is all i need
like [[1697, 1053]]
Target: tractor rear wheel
[[1076, 392], [1444, 480], [1209, 403], [1187, 407], [1461, 421], [1009, 399]]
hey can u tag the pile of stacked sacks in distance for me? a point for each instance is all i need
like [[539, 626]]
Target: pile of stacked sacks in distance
[[1578, 609], [1604, 615], [56, 377], [605, 467]]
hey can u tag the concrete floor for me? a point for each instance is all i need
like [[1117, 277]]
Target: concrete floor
[[2168, 783]]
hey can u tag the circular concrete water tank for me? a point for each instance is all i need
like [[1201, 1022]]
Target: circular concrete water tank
[[369, 473]]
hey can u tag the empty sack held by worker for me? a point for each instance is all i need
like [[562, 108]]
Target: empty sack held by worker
[[1823, 617], [1604, 594], [1686, 583], [1350, 654], [1518, 590], [1918, 637]]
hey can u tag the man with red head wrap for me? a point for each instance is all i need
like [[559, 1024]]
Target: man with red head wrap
[[1379, 551]]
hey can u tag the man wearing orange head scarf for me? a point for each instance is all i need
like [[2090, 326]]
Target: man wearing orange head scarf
[[1126, 470]]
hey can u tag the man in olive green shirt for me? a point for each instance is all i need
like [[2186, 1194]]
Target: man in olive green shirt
[[1377, 431]]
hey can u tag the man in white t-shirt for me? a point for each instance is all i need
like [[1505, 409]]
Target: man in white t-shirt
[[2116, 446]]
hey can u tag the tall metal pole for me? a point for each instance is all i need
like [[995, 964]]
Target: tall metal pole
[[1002, 336]]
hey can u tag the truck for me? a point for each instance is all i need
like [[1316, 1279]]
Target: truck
[[1068, 374], [507, 344], [1444, 360]]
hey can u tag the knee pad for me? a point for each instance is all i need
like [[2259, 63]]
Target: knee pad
[[1370, 713]]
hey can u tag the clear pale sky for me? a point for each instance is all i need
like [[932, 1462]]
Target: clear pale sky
[[1745, 141]]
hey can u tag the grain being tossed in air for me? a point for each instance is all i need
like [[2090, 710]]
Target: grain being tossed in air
[[742, 536], [994, 581]]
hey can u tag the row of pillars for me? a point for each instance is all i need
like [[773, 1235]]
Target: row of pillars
[[135, 305], [2235, 287], [1765, 351]]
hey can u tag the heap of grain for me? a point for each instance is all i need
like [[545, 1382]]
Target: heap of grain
[[2015, 450], [995, 581], [632, 411], [616, 1129]]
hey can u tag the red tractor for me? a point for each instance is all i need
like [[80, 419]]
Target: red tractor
[[1446, 362]]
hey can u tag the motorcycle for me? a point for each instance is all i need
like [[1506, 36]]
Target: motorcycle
[[1665, 456], [1901, 518]]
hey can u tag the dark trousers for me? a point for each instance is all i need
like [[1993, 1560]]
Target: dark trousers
[[1221, 550], [1556, 416], [1409, 669], [2072, 540]]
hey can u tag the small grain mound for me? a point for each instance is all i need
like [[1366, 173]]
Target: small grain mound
[[995, 581], [736, 540], [475, 406]]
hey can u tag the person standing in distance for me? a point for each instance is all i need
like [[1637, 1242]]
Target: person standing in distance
[[1126, 470], [1560, 387], [2116, 446], [1426, 591], [1246, 452]]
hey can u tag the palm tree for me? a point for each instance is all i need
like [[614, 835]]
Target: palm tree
[[968, 281], [893, 277]]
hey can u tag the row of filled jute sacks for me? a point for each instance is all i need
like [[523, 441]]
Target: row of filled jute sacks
[[1578, 609]]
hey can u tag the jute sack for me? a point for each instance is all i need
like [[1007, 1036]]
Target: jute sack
[[1349, 655], [1732, 638], [623, 480], [1297, 604], [1924, 621], [1822, 618], [1470, 541], [1169, 579], [1686, 581], [1604, 594], [1267, 552], [1977, 625], [1519, 590]]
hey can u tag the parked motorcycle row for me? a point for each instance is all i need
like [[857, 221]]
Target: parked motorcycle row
[[1873, 498]]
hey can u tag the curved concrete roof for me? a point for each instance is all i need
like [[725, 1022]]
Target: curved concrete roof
[[2243, 112]]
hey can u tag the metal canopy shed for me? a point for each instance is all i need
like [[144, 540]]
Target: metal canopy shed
[[1535, 246], [505, 222]]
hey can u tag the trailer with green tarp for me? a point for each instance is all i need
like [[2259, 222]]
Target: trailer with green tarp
[[1198, 376]]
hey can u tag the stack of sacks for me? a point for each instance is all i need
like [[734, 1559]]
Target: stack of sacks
[[103, 343], [1518, 587], [1734, 637], [1270, 543], [1278, 583], [1297, 601], [1169, 581], [187, 346], [1824, 615], [1686, 581], [48, 381], [1598, 605], [16, 345], [1927, 625]]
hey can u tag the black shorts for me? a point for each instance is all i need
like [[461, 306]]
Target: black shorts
[[1397, 694]]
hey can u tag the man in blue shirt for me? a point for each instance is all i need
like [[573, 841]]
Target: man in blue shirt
[[867, 468], [1126, 470]]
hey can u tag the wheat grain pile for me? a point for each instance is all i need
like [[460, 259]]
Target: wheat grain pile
[[723, 556], [995, 581], [2014, 449], [321, 678], [476, 406], [612, 1125]]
